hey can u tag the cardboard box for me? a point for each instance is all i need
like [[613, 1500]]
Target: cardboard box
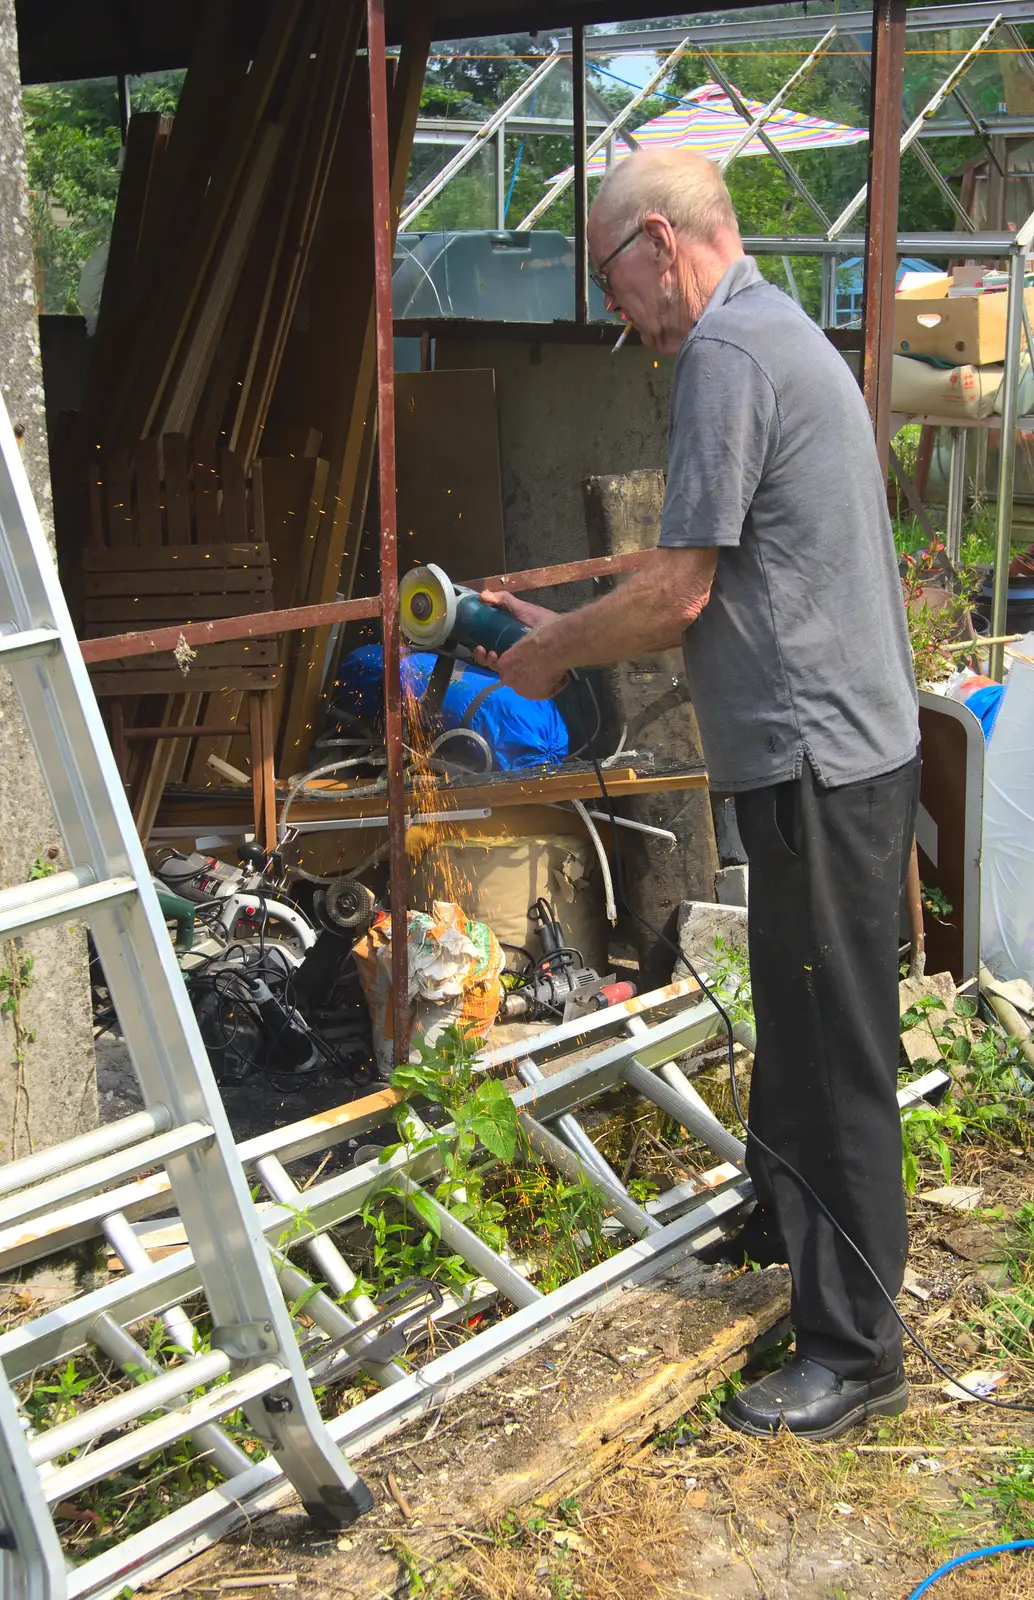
[[966, 332]]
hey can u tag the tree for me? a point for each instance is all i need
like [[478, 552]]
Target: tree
[[73, 148]]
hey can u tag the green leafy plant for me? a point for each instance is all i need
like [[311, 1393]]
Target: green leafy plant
[[729, 965], [932, 627]]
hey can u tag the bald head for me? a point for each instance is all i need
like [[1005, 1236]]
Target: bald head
[[662, 233], [679, 184]]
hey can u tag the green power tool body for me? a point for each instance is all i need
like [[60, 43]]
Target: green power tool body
[[437, 614]]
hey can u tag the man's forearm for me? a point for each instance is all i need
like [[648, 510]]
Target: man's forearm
[[647, 613]]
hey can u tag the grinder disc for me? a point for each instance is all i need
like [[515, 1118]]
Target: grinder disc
[[427, 607]]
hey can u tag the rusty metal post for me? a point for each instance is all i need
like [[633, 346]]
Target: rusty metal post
[[881, 223], [383, 231], [581, 177]]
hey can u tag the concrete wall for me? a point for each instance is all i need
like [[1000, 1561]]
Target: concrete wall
[[566, 412], [47, 1080]]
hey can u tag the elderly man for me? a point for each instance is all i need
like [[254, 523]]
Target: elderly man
[[776, 569]]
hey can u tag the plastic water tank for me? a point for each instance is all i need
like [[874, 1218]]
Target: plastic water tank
[[1007, 858]]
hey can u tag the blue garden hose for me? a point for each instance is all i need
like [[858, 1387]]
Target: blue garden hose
[[971, 1555]]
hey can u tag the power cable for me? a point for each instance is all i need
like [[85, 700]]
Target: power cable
[[999, 1405]]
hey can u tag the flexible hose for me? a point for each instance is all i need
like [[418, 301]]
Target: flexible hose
[[971, 1555], [608, 882], [323, 772]]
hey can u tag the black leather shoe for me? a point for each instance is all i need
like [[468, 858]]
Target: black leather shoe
[[757, 1240], [812, 1402]]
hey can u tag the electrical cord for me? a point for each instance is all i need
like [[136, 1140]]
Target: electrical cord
[[999, 1405], [970, 1555]]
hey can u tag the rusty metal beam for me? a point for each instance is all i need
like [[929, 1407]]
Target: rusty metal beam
[[258, 624], [383, 239], [881, 223], [581, 183]]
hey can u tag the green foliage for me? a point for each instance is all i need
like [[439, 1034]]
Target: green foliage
[[930, 628], [935, 903], [14, 980], [729, 968], [989, 1099], [560, 1224], [1011, 1494], [72, 148]]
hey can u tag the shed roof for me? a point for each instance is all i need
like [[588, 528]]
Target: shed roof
[[64, 39]]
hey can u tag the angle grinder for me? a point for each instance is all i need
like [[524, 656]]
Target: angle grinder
[[437, 614]]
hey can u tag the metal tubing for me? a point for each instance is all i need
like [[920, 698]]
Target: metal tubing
[[793, 178], [886, 146], [956, 495], [489, 1263], [333, 1320], [581, 181], [82, 1181], [572, 1130], [85, 1147], [135, 1258], [580, 1027], [165, 1430], [383, 239], [564, 183], [890, 15], [921, 19], [485, 132], [700, 1121], [123, 1349], [1007, 460], [554, 1152], [774, 104], [330, 1262], [109, 1415], [500, 177]]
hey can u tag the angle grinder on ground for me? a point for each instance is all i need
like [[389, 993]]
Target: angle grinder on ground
[[437, 614]]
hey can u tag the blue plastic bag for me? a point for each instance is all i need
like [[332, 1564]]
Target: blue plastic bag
[[520, 733]]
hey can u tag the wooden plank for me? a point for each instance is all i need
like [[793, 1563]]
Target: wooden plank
[[291, 493], [145, 806], [207, 525], [107, 618], [235, 499], [150, 497], [139, 407], [450, 499], [550, 790], [212, 580], [176, 458], [178, 407], [205, 680], [350, 333], [300, 198], [262, 778], [147, 141], [241, 553], [118, 501]]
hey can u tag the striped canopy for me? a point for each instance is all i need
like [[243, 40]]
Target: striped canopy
[[707, 122]]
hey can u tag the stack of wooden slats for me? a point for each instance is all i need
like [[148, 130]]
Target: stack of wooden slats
[[237, 313]]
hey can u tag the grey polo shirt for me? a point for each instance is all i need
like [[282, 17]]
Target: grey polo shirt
[[802, 650]]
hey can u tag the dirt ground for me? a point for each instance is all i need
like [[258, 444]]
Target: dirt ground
[[698, 1513]]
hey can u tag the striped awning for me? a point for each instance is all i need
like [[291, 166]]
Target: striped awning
[[706, 121]]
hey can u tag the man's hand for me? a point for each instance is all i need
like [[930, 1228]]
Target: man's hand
[[532, 616], [526, 667]]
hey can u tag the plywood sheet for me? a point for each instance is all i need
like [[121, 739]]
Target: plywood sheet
[[450, 502]]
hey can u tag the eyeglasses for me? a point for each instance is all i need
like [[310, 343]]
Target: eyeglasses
[[599, 274]]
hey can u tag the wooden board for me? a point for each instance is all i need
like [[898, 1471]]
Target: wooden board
[[334, 804], [164, 558], [450, 503], [591, 1398], [202, 680]]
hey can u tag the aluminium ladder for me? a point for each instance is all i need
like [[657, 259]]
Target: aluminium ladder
[[183, 1126]]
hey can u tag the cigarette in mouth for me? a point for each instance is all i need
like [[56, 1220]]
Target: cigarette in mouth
[[626, 330]]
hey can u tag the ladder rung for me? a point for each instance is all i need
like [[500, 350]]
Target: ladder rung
[[108, 1415], [111, 1458], [33, 642], [82, 1181], [84, 1147], [57, 899]]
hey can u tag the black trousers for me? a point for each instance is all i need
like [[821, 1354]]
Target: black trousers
[[827, 869]]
